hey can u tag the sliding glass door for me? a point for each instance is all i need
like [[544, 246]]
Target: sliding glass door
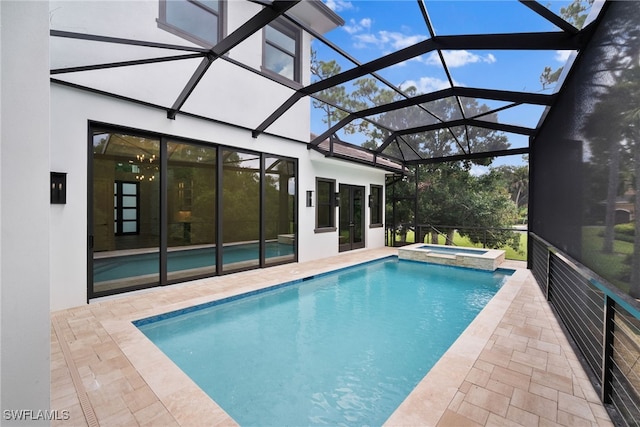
[[163, 210], [125, 211], [279, 210], [191, 210], [240, 209]]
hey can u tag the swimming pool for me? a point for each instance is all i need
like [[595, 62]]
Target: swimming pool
[[340, 348]]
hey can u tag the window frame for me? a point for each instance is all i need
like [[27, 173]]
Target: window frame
[[331, 204], [295, 33], [376, 205], [185, 33], [120, 208]]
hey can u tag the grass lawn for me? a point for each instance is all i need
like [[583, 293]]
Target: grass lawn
[[610, 266], [510, 253]]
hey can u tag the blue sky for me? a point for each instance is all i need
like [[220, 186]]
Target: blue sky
[[376, 27]]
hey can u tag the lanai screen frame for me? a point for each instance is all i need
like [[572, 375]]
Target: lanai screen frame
[[568, 38]]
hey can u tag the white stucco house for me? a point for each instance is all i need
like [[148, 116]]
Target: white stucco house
[[130, 158]]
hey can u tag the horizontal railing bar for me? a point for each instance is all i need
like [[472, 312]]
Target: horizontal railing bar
[[594, 279]]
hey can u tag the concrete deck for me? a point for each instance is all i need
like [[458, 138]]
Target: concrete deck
[[512, 366]]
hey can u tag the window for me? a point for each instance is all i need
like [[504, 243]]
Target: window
[[282, 50], [199, 21], [125, 207], [325, 204], [218, 210], [375, 205]]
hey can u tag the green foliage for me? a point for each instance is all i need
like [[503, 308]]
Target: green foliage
[[628, 229], [450, 195], [518, 254], [614, 266], [575, 14]]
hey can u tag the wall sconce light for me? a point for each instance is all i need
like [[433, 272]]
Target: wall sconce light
[[58, 188], [309, 198], [336, 198], [370, 200]]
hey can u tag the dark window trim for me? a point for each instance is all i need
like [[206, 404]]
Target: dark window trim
[[380, 206], [185, 34], [332, 205], [164, 138], [296, 34], [119, 221]]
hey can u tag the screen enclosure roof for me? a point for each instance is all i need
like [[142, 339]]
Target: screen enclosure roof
[[392, 83]]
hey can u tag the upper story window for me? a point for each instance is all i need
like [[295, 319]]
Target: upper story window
[[282, 50], [199, 21]]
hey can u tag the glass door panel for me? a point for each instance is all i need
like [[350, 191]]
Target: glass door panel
[[344, 225], [240, 210], [280, 210], [125, 210], [191, 207], [357, 217], [351, 226]]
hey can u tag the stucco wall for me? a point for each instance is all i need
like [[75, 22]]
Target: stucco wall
[[24, 211], [71, 112]]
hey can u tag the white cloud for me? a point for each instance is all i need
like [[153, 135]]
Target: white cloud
[[338, 5], [563, 55], [354, 27], [366, 23], [400, 41], [458, 58], [386, 40], [426, 84]]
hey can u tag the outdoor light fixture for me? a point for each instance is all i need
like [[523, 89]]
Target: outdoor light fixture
[[337, 198], [370, 200], [58, 188], [309, 198]]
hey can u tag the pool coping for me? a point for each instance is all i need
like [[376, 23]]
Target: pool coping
[[433, 394], [428, 401], [126, 379]]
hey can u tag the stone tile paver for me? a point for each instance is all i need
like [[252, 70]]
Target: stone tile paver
[[512, 367]]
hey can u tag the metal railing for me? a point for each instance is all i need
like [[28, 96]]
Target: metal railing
[[603, 322], [487, 237]]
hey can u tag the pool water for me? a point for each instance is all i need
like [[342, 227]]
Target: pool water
[[344, 348]]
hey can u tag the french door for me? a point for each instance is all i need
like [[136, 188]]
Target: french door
[[351, 226]]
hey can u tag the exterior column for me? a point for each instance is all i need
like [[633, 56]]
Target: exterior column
[[24, 213]]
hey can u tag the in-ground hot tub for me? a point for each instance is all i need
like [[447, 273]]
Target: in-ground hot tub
[[483, 259]]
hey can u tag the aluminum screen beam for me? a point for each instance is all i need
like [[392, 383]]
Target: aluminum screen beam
[[497, 95], [472, 156], [550, 16], [117, 40], [520, 41], [124, 63], [256, 23], [461, 122]]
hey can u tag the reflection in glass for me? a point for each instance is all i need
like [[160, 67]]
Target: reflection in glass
[[125, 211], [191, 204], [279, 223], [240, 209]]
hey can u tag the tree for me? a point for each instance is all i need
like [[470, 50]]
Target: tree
[[336, 95], [575, 14], [516, 180], [449, 196], [612, 126]]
